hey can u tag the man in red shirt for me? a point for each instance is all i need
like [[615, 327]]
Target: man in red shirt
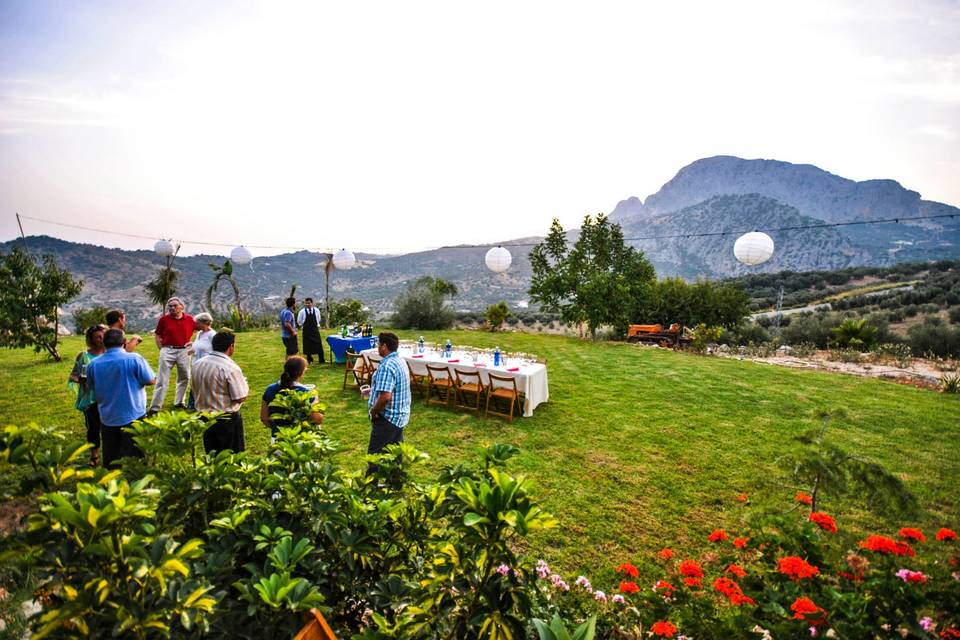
[[174, 336]]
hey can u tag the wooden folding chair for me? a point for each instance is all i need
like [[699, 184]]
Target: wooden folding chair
[[373, 363], [442, 382], [355, 371], [316, 628], [469, 383], [417, 380], [502, 388]]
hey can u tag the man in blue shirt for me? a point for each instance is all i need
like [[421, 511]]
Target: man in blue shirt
[[389, 402], [118, 380], [288, 328]]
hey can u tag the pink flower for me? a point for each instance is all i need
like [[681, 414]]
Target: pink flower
[[543, 569], [600, 596], [926, 623], [583, 582], [503, 570], [912, 576], [618, 599], [813, 631]]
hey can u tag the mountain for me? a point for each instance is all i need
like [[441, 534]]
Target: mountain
[[816, 194], [716, 195]]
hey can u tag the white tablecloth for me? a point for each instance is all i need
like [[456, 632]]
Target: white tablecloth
[[531, 377]]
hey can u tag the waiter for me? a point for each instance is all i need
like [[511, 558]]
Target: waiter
[[309, 321]]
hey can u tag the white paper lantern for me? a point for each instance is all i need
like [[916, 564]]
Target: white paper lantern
[[241, 255], [498, 259], [753, 248], [163, 248], [344, 260]]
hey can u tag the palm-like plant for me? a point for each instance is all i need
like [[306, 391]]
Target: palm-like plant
[[854, 334], [225, 272]]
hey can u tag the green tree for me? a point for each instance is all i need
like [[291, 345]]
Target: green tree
[[599, 281], [225, 272], [163, 286], [855, 334], [422, 304], [31, 295], [84, 317], [497, 314], [348, 311], [703, 302]]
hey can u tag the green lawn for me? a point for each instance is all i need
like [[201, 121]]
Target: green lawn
[[637, 447]]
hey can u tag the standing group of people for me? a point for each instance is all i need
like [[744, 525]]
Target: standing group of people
[[111, 381], [308, 320]]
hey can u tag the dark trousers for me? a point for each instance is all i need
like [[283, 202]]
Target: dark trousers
[[382, 433], [91, 416], [116, 444], [226, 434], [291, 345]]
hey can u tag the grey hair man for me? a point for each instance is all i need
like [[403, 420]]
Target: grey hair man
[[173, 335]]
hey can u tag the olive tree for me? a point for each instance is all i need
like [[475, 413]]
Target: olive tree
[[31, 295]]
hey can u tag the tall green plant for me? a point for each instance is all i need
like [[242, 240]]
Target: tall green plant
[[599, 281], [31, 295]]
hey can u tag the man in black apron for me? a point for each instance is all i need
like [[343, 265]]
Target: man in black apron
[[309, 321]]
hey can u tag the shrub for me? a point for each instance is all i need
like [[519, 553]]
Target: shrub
[[933, 336], [348, 312], [421, 305], [954, 314], [849, 356], [897, 352], [703, 336], [88, 317], [854, 334], [950, 383], [808, 328], [748, 332], [496, 314]]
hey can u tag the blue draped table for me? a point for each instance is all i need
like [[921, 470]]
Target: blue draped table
[[339, 345]]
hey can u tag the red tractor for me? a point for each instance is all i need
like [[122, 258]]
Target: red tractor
[[656, 334]]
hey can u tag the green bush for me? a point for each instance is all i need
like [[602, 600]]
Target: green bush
[[496, 315], [934, 337], [421, 305], [88, 317], [854, 334]]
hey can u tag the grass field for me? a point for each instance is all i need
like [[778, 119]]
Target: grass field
[[637, 447]]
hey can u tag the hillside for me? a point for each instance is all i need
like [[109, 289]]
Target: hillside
[[719, 194], [816, 194]]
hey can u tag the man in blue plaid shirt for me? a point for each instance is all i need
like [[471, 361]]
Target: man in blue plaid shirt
[[389, 401]]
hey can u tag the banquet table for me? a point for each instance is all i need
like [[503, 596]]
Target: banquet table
[[531, 377], [339, 345]]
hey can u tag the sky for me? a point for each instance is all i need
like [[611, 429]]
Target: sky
[[397, 126]]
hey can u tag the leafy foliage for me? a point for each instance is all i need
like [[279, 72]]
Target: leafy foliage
[[599, 281], [496, 315], [703, 302], [854, 334], [30, 297], [422, 304], [84, 318], [347, 312], [163, 286]]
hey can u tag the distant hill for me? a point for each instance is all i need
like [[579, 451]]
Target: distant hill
[[718, 194], [815, 194]]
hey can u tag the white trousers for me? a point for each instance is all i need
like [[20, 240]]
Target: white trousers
[[170, 358]]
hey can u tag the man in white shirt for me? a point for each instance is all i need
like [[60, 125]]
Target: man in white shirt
[[309, 321]]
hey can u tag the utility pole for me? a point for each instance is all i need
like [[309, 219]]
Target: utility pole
[[779, 314]]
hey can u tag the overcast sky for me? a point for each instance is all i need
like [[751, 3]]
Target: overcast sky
[[402, 125]]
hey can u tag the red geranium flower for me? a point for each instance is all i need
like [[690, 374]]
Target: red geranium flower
[[731, 589], [628, 586], [950, 633], [663, 628], [803, 607], [945, 535], [692, 572], [628, 569], [665, 553], [823, 521], [803, 498], [914, 535], [736, 570], [740, 543], [886, 546], [797, 568], [717, 535], [663, 585], [742, 497]]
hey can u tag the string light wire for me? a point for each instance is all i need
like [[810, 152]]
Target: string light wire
[[707, 234]]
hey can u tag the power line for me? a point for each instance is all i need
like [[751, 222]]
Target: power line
[[707, 234]]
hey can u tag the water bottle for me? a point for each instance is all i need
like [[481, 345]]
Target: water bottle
[[420, 348], [448, 352], [496, 357], [343, 331]]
